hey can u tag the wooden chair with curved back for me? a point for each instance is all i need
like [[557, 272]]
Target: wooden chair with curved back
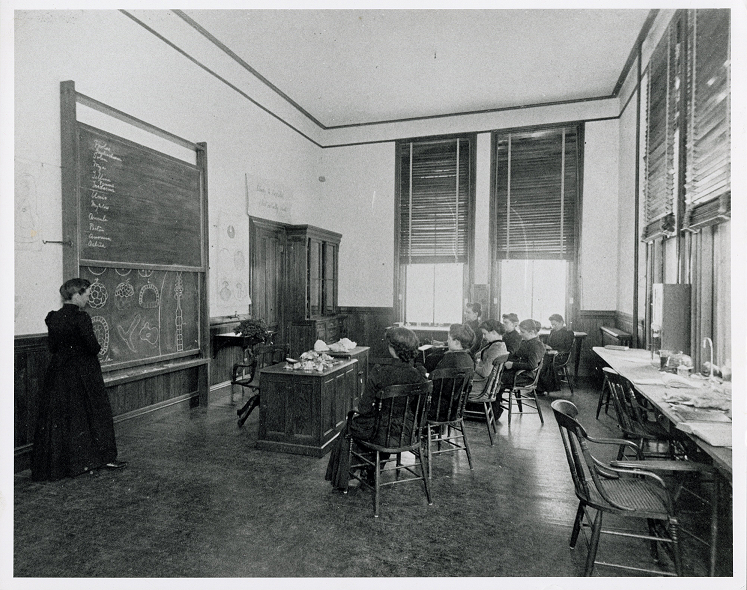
[[401, 413], [628, 493], [522, 396], [246, 374], [445, 424], [487, 398]]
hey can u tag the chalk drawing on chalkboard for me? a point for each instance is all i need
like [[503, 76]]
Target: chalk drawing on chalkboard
[[97, 270], [178, 291], [149, 334], [127, 336], [27, 220], [225, 292], [240, 291], [149, 296], [123, 294], [97, 295], [101, 330], [123, 272], [144, 272]]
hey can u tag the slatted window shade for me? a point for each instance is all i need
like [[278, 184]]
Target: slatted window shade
[[434, 201], [536, 185], [708, 186], [665, 99]]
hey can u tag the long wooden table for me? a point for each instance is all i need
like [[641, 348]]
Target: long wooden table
[[637, 366]]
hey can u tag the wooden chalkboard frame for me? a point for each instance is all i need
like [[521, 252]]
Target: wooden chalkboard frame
[[71, 216]]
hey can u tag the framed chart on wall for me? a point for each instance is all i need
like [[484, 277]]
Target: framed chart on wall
[[135, 225]]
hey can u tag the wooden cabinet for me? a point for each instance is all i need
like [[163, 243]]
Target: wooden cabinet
[[311, 294], [302, 412]]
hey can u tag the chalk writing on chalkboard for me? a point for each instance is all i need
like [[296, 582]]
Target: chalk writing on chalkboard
[[138, 206], [163, 323]]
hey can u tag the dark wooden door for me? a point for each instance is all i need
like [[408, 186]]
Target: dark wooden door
[[267, 242]]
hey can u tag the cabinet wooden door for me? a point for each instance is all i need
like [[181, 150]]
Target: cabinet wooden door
[[267, 244]]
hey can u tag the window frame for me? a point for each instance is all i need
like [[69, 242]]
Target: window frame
[[400, 279]]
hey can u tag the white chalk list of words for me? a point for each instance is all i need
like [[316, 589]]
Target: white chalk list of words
[[137, 205]]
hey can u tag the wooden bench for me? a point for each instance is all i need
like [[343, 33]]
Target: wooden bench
[[615, 336]]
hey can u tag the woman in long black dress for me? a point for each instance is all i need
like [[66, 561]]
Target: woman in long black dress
[[74, 428], [403, 346]]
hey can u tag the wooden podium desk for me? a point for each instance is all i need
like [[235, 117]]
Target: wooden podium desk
[[302, 412]]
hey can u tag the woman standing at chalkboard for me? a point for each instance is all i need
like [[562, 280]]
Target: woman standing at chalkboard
[[74, 428]]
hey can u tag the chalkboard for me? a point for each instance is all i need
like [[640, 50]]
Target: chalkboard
[[138, 206], [143, 315]]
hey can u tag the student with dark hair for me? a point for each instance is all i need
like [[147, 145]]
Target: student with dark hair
[[526, 358], [493, 347], [512, 338], [558, 349], [74, 428], [403, 347], [458, 356], [472, 313]]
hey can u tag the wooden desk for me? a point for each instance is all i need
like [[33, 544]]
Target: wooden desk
[[578, 339], [359, 353], [302, 412], [636, 366]]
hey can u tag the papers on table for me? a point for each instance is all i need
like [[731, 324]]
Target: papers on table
[[717, 434]]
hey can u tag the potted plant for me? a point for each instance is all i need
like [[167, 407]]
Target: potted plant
[[254, 330]]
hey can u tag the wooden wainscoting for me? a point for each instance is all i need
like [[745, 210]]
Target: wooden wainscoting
[[131, 396], [589, 321]]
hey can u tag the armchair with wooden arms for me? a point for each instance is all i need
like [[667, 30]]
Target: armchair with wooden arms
[[629, 493]]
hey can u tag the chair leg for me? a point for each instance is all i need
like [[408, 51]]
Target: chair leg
[[429, 453], [426, 483], [568, 378], [539, 409], [605, 389], [377, 477], [675, 534], [653, 545], [577, 525], [466, 446], [596, 531], [488, 417]]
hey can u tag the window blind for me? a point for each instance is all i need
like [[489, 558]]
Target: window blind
[[708, 185], [665, 99], [536, 189], [434, 201]]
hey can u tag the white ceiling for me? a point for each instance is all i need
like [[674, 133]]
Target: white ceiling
[[348, 67]]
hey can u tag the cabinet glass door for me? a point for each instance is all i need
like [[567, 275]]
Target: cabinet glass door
[[315, 278], [329, 294]]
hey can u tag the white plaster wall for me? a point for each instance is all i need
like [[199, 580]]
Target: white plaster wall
[[626, 210], [359, 196], [115, 61], [598, 264]]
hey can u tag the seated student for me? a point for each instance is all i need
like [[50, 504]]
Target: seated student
[[472, 313], [526, 358], [493, 347], [457, 356], [403, 347], [512, 338], [558, 347]]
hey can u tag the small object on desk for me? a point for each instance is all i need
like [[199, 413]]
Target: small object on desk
[[616, 347]]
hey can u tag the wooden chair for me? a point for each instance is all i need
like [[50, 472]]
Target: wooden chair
[[401, 412], [523, 396], [560, 362], [487, 398], [628, 493], [604, 395], [246, 375], [652, 439], [445, 424]]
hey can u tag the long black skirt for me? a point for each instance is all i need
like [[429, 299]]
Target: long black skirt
[[74, 429]]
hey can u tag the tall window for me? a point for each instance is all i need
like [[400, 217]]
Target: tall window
[[435, 203], [687, 196], [535, 204]]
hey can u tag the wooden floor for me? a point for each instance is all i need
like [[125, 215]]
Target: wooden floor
[[198, 500]]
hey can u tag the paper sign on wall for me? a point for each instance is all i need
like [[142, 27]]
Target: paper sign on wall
[[267, 198]]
